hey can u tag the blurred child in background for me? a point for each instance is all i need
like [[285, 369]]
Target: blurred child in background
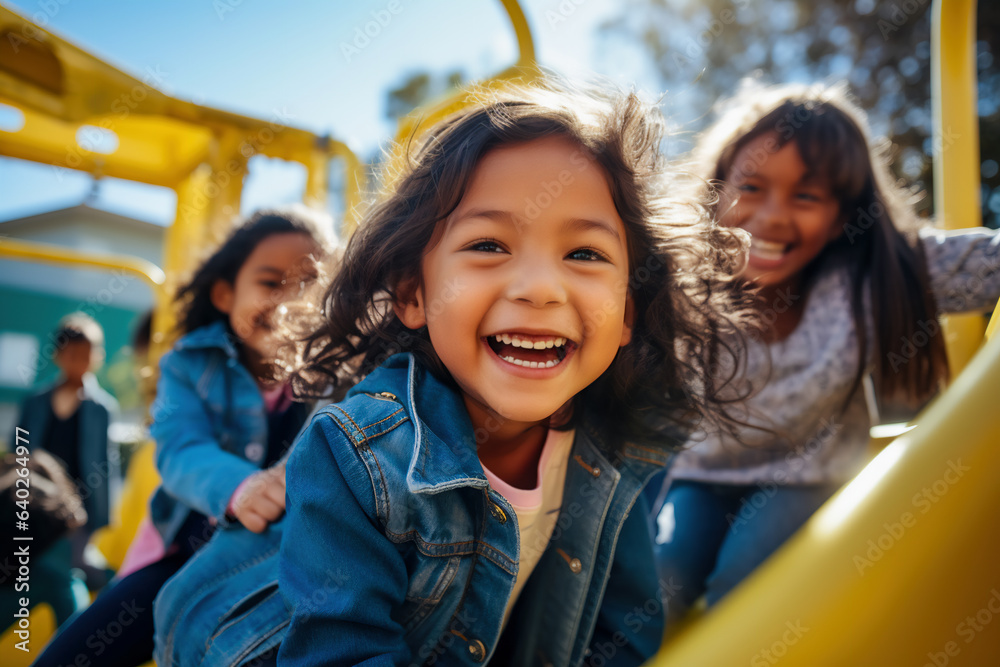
[[849, 291], [220, 422], [70, 420], [117, 540]]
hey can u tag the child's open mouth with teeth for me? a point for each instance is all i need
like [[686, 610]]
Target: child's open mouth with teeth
[[530, 351], [768, 250]]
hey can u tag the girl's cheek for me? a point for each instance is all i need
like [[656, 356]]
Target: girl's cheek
[[269, 300], [242, 328]]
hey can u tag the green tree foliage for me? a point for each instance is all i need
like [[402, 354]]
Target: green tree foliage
[[700, 50], [418, 89]]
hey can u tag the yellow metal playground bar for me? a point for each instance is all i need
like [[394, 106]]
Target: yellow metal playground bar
[[873, 579], [199, 152]]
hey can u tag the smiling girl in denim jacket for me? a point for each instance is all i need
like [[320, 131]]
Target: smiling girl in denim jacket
[[518, 304], [220, 424]]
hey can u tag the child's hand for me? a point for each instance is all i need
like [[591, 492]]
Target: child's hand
[[261, 499]]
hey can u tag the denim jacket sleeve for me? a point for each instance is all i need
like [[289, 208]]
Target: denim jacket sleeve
[[195, 468], [340, 574]]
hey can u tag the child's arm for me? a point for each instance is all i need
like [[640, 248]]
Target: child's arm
[[964, 268], [339, 572], [193, 466]]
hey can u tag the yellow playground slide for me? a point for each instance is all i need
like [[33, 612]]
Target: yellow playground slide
[[899, 568]]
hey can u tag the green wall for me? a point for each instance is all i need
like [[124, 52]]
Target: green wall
[[39, 314]]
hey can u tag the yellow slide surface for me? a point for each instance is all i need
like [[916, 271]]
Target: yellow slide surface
[[42, 627], [901, 567]]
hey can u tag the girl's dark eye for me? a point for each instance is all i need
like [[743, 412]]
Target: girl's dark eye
[[747, 187], [271, 284], [808, 196], [485, 245], [587, 255]]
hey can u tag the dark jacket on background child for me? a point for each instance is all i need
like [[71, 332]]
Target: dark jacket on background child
[[95, 469]]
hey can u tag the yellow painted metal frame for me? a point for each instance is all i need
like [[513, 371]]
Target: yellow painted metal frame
[[198, 151], [524, 70], [53, 254], [956, 147], [162, 139], [900, 567]]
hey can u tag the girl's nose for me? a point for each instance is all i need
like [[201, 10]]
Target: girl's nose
[[538, 282], [774, 211]]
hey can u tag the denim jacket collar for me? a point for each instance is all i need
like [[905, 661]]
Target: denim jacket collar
[[444, 450], [215, 335]]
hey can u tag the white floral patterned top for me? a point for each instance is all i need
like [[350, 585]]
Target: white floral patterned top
[[806, 379]]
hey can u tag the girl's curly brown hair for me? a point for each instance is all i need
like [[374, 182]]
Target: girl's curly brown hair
[[686, 346]]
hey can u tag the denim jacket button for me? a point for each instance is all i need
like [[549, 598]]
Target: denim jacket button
[[498, 513], [575, 566], [478, 650], [254, 452]]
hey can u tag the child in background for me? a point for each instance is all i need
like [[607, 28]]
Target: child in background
[[518, 304], [140, 477], [220, 422], [848, 289], [70, 421]]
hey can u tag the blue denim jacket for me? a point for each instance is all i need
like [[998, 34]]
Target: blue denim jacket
[[209, 425], [396, 551]]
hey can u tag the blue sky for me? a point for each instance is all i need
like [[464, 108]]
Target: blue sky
[[256, 57]]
